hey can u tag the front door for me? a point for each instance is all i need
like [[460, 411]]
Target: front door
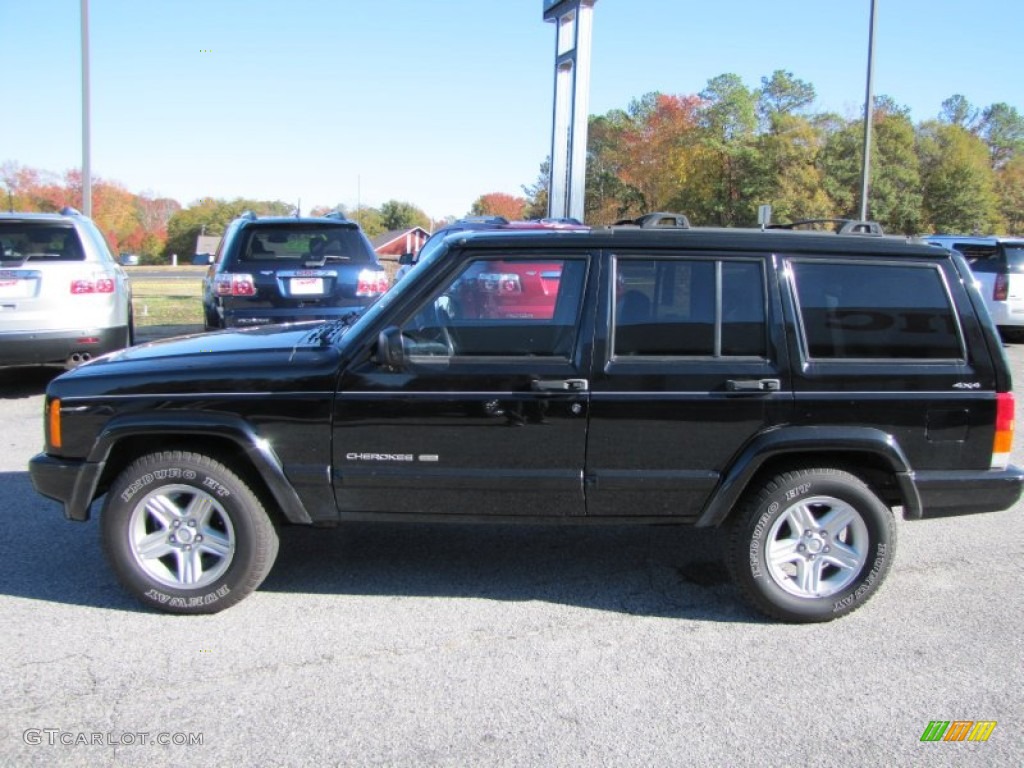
[[486, 415]]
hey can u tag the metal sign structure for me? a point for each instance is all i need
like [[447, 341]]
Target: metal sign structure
[[573, 27]]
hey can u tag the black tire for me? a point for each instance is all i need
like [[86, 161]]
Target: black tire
[[824, 571], [185, 534], [131, 327]]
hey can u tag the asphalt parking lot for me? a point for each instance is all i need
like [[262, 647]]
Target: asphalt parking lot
[[477, 645]]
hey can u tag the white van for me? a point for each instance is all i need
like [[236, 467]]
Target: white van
[[998, 264]]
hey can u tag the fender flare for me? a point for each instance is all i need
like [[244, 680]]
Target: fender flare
[[192, 423], [789, 440]]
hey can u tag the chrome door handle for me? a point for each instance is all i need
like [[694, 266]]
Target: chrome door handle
[[561, 385], [753, 385]]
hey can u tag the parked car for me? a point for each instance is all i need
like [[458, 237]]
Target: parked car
[[129, 260], [64, 299], [797, 389], [278, 270], [998, 265], [475, 223]]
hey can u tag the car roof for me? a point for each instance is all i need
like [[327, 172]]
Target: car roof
[[32, 216]]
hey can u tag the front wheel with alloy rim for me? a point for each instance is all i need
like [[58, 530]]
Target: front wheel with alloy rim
[[811, 545], [185, 534]]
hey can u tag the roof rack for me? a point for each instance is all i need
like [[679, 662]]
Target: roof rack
[[840, 226], [656, 220]]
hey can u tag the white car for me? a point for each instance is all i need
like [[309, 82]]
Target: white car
[[998, 265], [64, 299]]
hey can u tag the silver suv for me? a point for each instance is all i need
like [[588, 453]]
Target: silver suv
[[64, 299]]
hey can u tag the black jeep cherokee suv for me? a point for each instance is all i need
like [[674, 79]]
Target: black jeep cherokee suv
[[797, 388]]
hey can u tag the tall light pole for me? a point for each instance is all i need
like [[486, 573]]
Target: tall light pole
[[869, 105], [86, 165], [574, 23]]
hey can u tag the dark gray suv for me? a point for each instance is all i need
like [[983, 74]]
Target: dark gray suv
[[278, 270]]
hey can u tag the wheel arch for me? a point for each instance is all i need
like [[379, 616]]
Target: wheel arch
[[871, 454], [231, 441]]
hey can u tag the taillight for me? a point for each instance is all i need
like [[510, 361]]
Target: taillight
[[1002, 444], [53, 423], [372, 282], [234, 284], [500, 282], [93, 284], [1001, 289]]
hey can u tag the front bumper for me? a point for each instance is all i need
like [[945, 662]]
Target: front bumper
[[71, 482]]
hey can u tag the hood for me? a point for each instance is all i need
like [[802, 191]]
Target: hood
[[271, 358]]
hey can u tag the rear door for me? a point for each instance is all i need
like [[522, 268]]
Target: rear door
[[691, 370], [487, 415]]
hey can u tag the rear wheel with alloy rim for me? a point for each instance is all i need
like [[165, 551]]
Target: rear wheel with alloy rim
[[811, 545]]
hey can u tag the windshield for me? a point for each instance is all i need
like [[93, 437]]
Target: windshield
[[432, 252]]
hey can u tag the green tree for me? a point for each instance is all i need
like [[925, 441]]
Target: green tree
[[894, 191], [957, 110], [1002, 128], [788, 176], [369, 220], [211, 216], [958, 181], [398, 215], [1010, 188], [537, 193], [782, 94], [724, 188]]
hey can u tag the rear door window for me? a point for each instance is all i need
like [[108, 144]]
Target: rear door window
[[676, 307]]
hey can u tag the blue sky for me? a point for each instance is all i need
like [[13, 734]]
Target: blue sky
[[433, 103]]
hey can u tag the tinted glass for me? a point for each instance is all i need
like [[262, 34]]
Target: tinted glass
[[1015, 257], [501, 308], [671, 308], [303, 245], [23, 241], [875, 311]]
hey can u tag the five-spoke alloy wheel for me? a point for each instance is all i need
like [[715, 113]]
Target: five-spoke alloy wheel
[[186, 534], [811, 545]]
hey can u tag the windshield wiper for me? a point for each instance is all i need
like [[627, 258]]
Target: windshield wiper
[[332, 329]]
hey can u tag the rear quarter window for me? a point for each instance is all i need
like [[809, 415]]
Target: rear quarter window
[[873, 311]]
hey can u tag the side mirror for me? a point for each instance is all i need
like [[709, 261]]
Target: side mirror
[[406, 259], [391, 348]]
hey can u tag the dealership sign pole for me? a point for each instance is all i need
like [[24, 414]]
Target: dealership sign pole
[[574, 23]]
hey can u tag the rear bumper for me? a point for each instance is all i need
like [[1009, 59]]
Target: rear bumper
[[246, 318], [944, 494], [57, 347], [73, 483]]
